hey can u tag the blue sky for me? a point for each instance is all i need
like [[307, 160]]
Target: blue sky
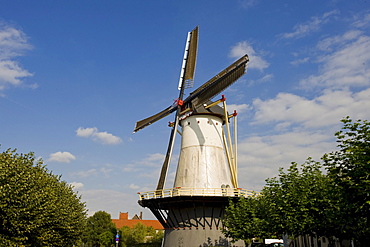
[[75, 76]]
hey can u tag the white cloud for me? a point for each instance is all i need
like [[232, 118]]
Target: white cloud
[[62, 157], [86, 132], [149, 167], [101, 137], [134, 187], [131, 168], [76, 185], [13, 43], [85, 174], [329, 43], [242, 48], [265, 78], [238, 108], [361, 21], [300, 61], [347, 66], [10, 73], [281, 149], [106, 138], [303, 29], [294, 127], [260, 157], [248, 3], [324, 110], [152, 160], [112, 202], [105, 171]]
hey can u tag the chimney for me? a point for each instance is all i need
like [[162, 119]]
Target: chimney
[[141, 215], [123, 216]]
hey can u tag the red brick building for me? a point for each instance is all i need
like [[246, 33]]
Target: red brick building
[[125, 221]]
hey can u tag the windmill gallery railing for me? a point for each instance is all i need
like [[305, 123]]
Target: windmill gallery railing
[[181, 191]]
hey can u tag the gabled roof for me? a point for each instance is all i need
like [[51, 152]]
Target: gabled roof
[[130, 223], [125, 221]]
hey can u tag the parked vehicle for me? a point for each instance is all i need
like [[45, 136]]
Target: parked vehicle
[[274, 243]]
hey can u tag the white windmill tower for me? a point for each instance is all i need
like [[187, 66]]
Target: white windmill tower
[[192, 210]]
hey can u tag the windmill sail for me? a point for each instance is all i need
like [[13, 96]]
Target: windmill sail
[[206, 171], [198, 97], [187, 73], [167, 159], [218, 83], [205, 92], [186, 76], [189, 61], [147, 121]]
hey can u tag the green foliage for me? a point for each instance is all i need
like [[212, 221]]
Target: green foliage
[[157, 237], [305, 200], [299, 200], [140, 235], [106, 238], [100, 230], [36, 207], [245, 219], [349, 167], [139, 232], [126, 236], [292, 203]]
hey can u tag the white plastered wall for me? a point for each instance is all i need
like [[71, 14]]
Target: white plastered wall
[[202, 161]]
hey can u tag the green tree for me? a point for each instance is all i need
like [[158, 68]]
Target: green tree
[[246, 219], [294, 203], [349, 167], [306, 201], [106, 238], [140, 235], [156, 237], [100, 230], [36, 207], [301, 201], [126, 238]]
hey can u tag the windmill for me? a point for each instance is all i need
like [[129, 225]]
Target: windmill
[[191, 211]]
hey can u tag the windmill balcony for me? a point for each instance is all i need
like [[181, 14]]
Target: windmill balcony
[[183, 191]]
